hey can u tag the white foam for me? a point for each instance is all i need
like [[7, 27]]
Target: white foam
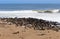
[[30, 13], [55, 10]]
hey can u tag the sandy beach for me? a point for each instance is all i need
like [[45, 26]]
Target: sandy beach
[[29, 19], [12, 32]]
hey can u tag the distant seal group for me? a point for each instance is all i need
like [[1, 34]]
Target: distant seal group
[[36, 24]]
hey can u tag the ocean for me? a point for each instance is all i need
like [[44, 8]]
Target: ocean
[[28, 6], [27, 10]]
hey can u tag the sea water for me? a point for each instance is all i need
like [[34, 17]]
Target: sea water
[[26, 10], [28, 6]]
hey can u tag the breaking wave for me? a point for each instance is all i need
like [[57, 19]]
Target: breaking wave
[[31, 13]]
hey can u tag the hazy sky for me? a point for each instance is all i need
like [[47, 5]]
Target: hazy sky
[[29, 1]]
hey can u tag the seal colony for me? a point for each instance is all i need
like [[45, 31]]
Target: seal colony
[[36, 24]]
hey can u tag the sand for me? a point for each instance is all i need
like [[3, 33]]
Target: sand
[[12, 32]]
